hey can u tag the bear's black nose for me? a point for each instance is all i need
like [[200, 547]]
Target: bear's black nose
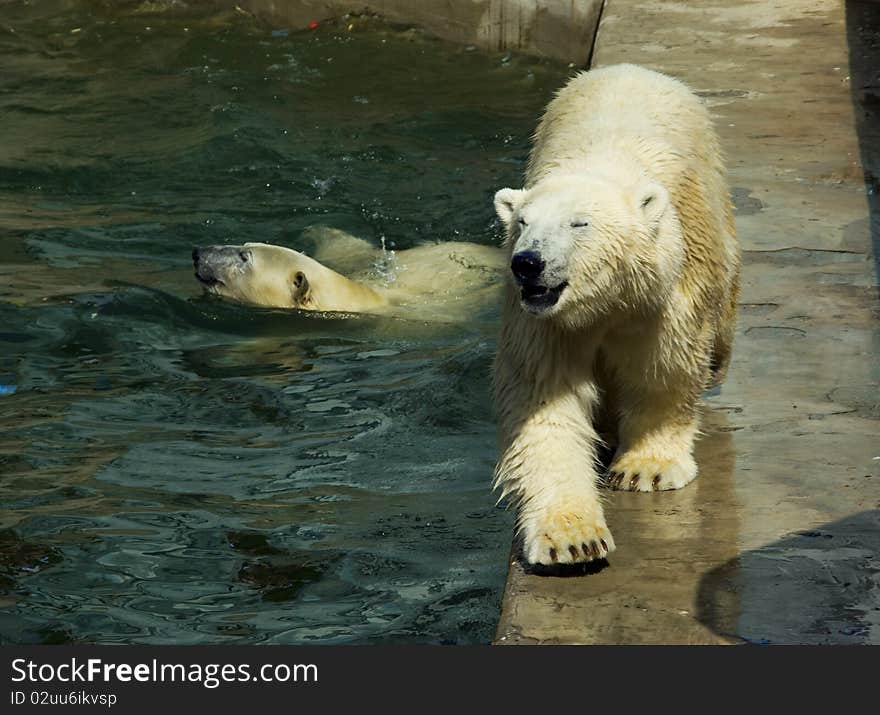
[[195, 255], [526, 266]]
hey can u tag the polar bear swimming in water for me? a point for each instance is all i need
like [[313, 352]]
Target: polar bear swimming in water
[[443, 281], [621, 302]]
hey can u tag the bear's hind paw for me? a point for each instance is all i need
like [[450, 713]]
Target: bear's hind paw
[[637, 474]]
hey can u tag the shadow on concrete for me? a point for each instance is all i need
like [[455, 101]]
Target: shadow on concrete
[[863, 38], [557, 570], [820, 586]]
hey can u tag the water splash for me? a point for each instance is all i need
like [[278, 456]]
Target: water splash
[[386, 268], [322, 186]]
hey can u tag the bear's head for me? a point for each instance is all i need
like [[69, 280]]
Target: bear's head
[[591, 242], [275, 276]]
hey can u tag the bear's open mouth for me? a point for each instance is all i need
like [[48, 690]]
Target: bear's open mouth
[[538, 297], [208, 281]]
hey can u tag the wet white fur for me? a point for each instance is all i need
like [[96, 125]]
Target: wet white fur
[[650, 303], [438, 282]]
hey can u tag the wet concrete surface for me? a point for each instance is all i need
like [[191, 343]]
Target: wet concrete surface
[[777, 541]]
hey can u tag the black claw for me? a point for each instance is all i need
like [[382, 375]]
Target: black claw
[[572, 549], [633, 483], [656, 482], [609, 480], [553, 555], [594, 547], [585, 549], [604, 545]]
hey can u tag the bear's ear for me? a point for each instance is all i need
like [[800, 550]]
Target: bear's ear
[[652, 201], [506, 203], [301, 289]]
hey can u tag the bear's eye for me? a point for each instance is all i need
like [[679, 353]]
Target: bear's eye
[[522, 221], [244, 256], [580, 223]]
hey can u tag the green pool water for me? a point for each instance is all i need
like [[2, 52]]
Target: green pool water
[[175, 469]]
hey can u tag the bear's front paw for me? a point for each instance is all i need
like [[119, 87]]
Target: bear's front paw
[[565, 536], [638, 473]]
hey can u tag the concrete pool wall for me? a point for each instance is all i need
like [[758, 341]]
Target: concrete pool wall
[[558, 29]]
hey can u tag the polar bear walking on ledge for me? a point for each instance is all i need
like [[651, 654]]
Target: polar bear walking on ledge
[[621, 303]]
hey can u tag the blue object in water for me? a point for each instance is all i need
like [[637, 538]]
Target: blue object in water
[[7, 390], [279, 33]]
